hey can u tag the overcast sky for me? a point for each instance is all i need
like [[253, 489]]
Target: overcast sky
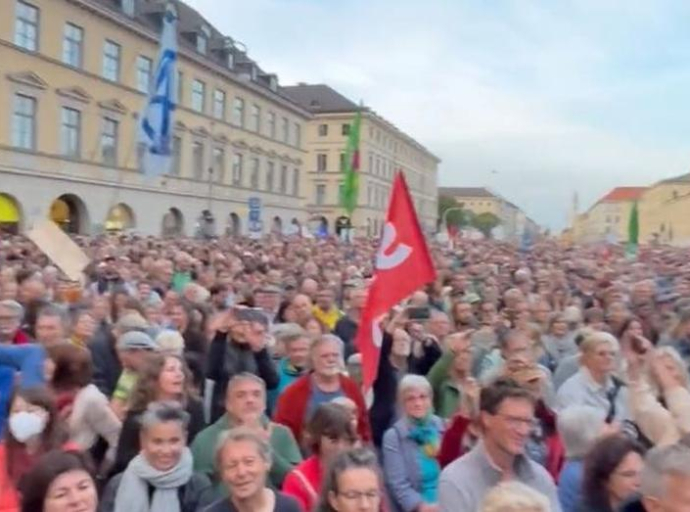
[[556, 97]]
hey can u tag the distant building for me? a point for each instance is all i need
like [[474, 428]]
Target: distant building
[[665, 212], [384, 149], [514, 222], [607, 220]]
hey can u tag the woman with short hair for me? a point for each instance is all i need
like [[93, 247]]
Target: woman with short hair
[[243, 461], [410, 448], [161, 477], [60, 482], [353, 483]]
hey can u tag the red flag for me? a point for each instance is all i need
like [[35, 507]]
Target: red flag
[[403, 265]]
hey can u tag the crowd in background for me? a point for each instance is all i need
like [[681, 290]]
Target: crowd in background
[[223, 375]]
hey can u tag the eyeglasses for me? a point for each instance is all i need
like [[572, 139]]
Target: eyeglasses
[[372, 495], [519, 423]]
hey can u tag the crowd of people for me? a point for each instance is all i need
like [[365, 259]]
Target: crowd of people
[[224, 375]]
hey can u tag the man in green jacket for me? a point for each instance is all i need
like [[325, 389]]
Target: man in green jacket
[[245, 405]]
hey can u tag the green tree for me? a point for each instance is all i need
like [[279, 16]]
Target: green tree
[[486, 222], [457, 218]]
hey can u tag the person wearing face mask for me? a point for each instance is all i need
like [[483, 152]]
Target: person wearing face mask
[[330, 433], [161, 477], [61, 481], [163, 378], [410, 448], [32, 430], [325, 382]]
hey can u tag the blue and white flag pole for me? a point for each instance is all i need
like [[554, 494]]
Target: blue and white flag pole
[[156, 126]]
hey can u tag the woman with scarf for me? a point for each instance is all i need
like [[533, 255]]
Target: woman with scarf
[[161, 478], [410, 448], [32, 429]]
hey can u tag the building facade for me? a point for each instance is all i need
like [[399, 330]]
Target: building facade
[[664, 212], [75, 75], [384, 149], [607, 220], [513, 221]]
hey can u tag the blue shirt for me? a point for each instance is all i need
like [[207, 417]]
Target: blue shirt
[[570, 485], [319, 397]]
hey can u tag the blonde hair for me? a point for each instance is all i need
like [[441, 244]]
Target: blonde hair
[[515, 497], [170, 342], [597, 338]]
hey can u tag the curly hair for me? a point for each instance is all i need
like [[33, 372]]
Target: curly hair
[[146, 389]]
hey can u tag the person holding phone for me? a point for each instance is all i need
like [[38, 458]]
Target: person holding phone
[[239, 345]]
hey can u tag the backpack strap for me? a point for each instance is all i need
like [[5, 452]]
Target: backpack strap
[[611, 397]]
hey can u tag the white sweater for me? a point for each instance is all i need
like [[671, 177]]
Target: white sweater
[[92, 417]]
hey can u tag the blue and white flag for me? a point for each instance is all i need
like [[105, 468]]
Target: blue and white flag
[[156, 127]]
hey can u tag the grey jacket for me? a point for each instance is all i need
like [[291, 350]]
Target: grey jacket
[[400, 465], [195, 495], [464, 483]]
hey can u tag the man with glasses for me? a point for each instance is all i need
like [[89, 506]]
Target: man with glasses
[[595, 383], [506, 421]]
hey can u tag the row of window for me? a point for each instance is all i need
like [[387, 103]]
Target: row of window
[[377, 197], [26, 36], [24, 137], [378, 166], [254, 122], [375, 135], [275, 180], [323, 130], [24, 130]]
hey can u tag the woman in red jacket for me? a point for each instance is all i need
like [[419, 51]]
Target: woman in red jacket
[[32, 430]]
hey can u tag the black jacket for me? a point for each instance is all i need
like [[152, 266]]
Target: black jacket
[[128, 445], [634, 505], [346, 330], [382, 414], [106, 364], [227, 358], [284, 503], [195, 495]]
